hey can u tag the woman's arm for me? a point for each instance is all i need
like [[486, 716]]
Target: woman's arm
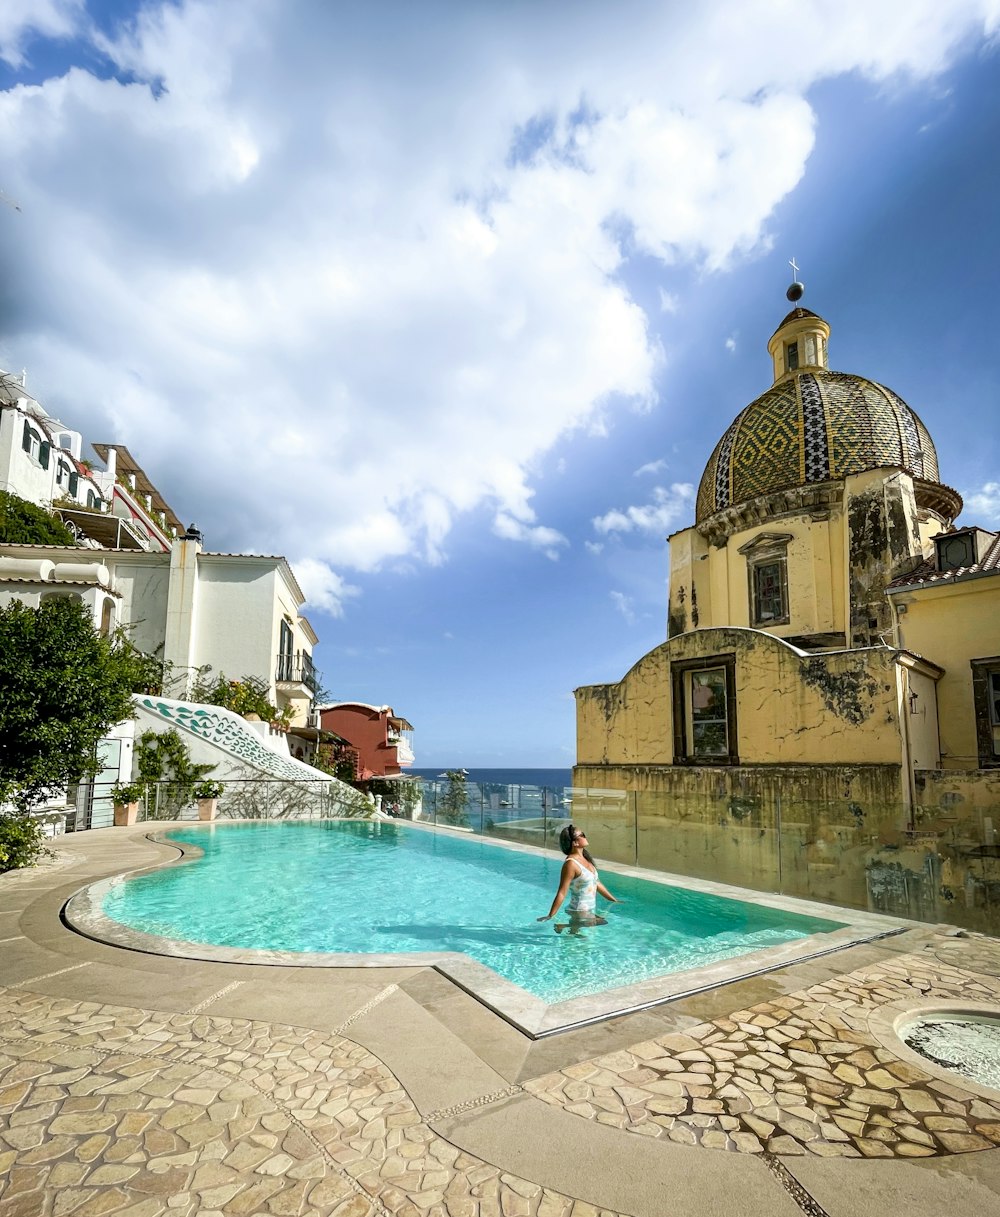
[[565, 878], [605, 893]]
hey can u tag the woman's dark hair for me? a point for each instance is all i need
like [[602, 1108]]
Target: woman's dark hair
[[566, 841]]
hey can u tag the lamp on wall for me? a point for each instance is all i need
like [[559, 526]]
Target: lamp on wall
[[913, 703]]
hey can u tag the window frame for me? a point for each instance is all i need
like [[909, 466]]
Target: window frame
[[986, 707], [766, 549], [754, 565], [792, 356], [683, 724]]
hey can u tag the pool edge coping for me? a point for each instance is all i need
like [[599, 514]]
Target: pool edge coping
[[530, 1015]]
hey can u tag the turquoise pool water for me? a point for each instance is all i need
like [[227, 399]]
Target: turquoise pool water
[[377, 887]]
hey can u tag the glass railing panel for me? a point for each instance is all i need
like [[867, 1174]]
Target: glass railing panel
[[608, 818], [520, 813], [714, 832]]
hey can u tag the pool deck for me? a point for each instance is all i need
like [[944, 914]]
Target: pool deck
[[136, 1084]]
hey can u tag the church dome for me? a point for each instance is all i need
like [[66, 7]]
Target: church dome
[[812, 425]]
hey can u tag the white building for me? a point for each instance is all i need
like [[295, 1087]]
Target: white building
[[237, 614], [134, 565], [234, 613], [41, 460]]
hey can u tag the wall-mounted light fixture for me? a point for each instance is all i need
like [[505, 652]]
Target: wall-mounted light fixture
[[913, 703]]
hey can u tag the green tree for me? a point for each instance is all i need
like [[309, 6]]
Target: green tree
[[63, 685], [453, 803], [22, 523]]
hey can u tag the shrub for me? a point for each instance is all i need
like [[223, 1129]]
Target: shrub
[[22, 841], [246, 696], [208, 790], [22, 523], [123, 793]]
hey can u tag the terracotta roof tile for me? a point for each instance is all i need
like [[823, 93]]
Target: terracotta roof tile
[[927, 572]]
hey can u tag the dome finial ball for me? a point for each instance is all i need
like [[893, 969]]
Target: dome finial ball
[[795, 291]]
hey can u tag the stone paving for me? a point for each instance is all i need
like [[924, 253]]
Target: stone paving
[[115, 1109], [111, 1110], [800, 1074]]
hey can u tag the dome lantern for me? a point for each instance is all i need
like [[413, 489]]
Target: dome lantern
[[799, 344]]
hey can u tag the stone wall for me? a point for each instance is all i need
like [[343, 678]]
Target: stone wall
[[833, 833]]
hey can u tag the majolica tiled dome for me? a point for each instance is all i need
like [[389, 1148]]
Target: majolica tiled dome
[[812, 425]]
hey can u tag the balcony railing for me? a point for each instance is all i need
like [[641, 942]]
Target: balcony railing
[[297, 669]]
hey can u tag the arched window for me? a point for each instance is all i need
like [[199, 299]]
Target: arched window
[[65, 593], [34, 445], [107, 616]]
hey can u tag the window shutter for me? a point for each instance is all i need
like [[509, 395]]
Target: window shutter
[[43, 454], [26, 438], [74, 484]]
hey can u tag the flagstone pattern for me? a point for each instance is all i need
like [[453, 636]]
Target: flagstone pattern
[[112, 1110], [797, 1075]]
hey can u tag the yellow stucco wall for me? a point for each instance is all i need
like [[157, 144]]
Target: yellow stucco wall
[[790, 708], [839, 560], [719, 580], [952, 624]]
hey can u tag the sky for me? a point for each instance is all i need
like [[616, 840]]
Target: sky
[[449, 302]]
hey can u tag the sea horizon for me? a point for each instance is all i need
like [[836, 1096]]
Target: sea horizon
[[555, 777]]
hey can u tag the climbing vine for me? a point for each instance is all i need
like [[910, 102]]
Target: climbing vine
[[164, 762]]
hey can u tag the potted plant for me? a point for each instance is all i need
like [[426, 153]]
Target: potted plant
[[125, 796], [207, 794]]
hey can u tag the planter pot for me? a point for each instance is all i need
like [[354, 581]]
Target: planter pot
[[126, 813], [206, 808]]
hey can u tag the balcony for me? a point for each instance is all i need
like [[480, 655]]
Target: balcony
[[108, 530], [295, 675]]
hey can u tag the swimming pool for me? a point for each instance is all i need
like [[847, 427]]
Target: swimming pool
[[364, 890]]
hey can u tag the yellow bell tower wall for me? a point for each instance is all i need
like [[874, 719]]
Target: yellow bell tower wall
[[790, 708]]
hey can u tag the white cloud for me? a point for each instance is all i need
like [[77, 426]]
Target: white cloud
[[985, 502], [650, 467], [21, 19], [322, 587], [623, 604], [307, 283], [731, 344], [594, 547], [666, 508], [548, 540], [669, 302]]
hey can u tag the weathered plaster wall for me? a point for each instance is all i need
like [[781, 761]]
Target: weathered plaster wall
[[814, 570], [952, 859], [791, 708], [921, 719], [689, 599], [836, 833], [883, 541], [953, 624], [710, 585]]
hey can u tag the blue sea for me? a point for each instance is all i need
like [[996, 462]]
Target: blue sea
[[552, 778]]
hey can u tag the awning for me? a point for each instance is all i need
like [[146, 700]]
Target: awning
[[319, 735]]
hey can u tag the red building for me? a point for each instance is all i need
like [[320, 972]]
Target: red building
[[381, 738]]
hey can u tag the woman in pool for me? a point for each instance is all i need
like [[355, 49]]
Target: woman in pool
[[579, 879]]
